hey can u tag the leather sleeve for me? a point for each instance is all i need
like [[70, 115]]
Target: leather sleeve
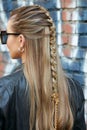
[[4, 104], [77, 104], [79, 123], [14, 102], [1, 119]]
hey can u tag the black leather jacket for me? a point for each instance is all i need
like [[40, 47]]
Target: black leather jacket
[[14, 103]]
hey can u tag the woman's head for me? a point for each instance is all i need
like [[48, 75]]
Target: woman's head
[[31, 23]]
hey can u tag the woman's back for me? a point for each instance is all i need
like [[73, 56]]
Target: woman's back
[[31, 36], [14, 102]]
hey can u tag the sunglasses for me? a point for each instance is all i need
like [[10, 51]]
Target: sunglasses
[[4, 36]]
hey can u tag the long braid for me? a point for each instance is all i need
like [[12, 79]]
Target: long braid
[[53, 63], [54, 72]]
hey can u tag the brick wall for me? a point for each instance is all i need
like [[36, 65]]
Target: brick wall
[[74, 41], [70, 17]]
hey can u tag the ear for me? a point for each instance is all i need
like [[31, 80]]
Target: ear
[[21, 40]]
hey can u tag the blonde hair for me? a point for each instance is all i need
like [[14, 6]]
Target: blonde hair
[[42, 70]]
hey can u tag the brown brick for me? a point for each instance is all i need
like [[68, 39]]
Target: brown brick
[[64, 39], [70, 4], [66, 51], [67, 2], [62, 3], [67, 28], [66, 15]]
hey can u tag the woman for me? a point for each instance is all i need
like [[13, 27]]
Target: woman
[[37, 96]]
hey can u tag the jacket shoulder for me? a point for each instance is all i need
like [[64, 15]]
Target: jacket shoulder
[[10, 79], [77, 101], [7, 86], [76, 90]]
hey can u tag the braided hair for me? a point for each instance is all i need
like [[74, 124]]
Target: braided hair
[[49, 100]]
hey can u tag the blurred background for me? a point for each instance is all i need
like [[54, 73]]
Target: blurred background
[[70, 17]]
